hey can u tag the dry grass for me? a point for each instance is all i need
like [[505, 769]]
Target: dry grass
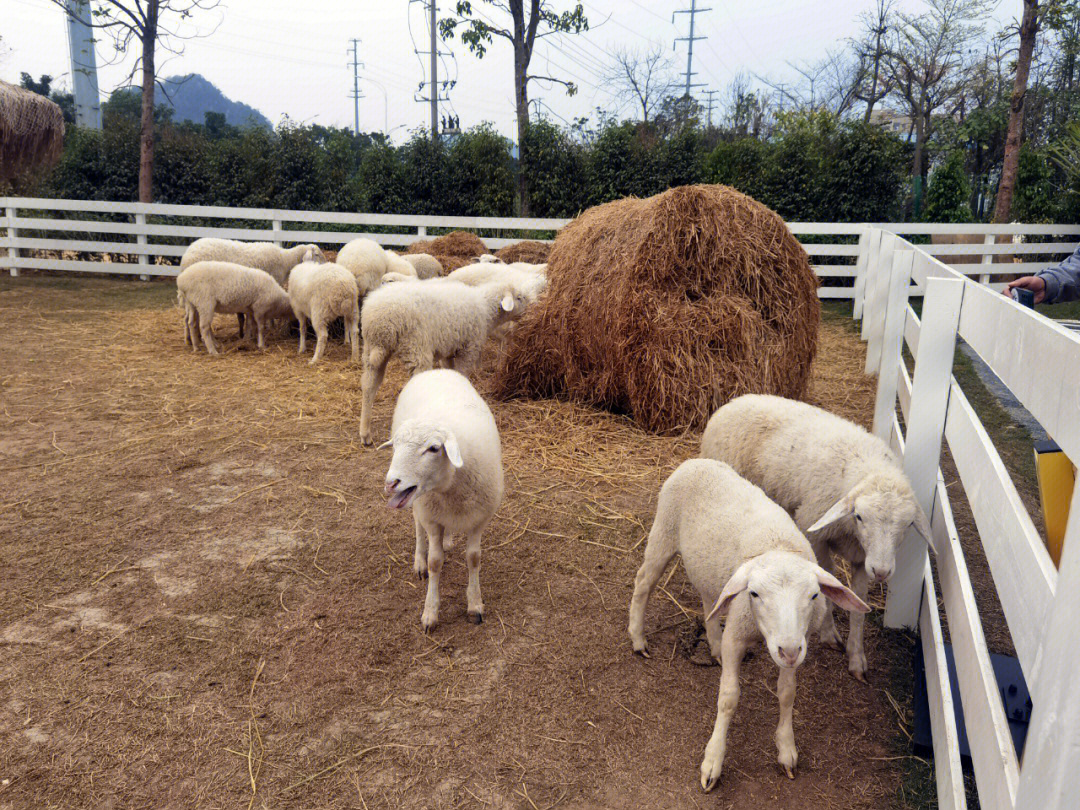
[[668, 307], [527, 251], [455, 249], [211, 606], [31, 131]]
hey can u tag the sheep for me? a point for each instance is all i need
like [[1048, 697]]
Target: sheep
[[745, 556], [447, 464], [266, 256], [489, 258], [425, 265], [324, 292], [207, 287], [425, 322], [368, 262], [531, 278], [843, 486]]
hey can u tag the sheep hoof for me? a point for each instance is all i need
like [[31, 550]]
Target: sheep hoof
[[476, 618], [859, 675], [790, 772], [643, 652]]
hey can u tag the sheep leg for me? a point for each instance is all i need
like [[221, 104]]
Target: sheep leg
[[240, 325], [827, 632], [472, 592], [732, 649], [192, 318], [860, 583], [430, 616], [658, 553], [467, 361], [787, 754], [303, 333], [206, 318], [352, 329], [420, 555], [260, 325], [321, 334], [371, 378]]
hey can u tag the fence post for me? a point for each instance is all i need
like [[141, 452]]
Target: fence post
[[869, 279], [984, 278], [860, 273], [275, 226], [140, 238], [1050, 774], [878, 300], [922, 447], [13, 252], [892, 342]]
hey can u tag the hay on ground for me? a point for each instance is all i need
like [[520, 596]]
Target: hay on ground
[[668, 307], [527, 251], [463, 246], [31, 131]]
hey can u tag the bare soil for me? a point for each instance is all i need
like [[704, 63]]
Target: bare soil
[[205, 603]]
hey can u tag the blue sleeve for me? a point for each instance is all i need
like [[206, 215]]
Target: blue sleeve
[[1063, 281]]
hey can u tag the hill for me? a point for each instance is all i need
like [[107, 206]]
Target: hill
[[193, 96]]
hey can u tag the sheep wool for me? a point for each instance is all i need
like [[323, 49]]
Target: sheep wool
[[323, 292], [265, 256]]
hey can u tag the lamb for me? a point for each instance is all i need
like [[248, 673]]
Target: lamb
[[425, 322], [324, 292], [745, 556], [843, 486], [447, 464], [425, 265], [207, 287], [368, 262], [530, 278], [261, 255]]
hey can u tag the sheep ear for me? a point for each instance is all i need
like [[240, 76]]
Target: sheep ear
[[736, 585], [388, 443], [922, 526], [507, 302], [453, 452], [835, 590], [839, 510]]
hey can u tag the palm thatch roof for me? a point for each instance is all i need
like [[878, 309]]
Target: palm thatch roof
[[31, 131]]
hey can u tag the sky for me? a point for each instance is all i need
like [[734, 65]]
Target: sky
[[286, 57]]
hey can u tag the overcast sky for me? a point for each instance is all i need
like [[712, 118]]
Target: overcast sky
[[290, 57]]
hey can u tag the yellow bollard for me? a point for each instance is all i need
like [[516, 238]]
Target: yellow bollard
[[1057, 477]]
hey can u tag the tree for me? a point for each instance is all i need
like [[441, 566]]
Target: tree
[[643, 77], [43, 87], [927, 66], [1029, 26], [522, 32], [871, 51], [128, 22], [948, 193]]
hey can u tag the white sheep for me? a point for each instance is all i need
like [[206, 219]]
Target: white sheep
[[324, 292], [266, 256], [843, 486], [489, 258], [425, 265], [207, 287], [426, 322], [448, 465], [368, 261], [530, 278], [745, 556]]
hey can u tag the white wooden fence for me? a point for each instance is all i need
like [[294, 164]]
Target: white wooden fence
[[148, 239], [1039, 361]]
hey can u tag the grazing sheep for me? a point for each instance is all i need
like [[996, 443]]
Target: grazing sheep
[[745, 556], [425, 265], [844, 487], [448, 465], [530, 278], [489, 258], [425, 322], [204, 288], [368, 261], [261, 255], [323, 293]]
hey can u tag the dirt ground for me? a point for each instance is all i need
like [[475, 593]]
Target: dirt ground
[[205, 603]]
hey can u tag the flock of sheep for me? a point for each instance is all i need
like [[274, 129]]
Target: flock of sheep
[[779, 488]]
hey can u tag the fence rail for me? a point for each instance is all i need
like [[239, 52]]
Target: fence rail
[[1039, 362], [148, 238]]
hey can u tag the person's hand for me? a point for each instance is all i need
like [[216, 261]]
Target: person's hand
[[1033, 283]]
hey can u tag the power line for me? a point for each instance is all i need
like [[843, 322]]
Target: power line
[[693, 11]]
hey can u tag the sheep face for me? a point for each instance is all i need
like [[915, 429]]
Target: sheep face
[[784, 592], [880, 509], [314, 254], [426, 456]]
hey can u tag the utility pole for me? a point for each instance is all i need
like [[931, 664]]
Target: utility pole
[[710, 94], [692, 11], [356, 65], [84, 81], [434, 72]]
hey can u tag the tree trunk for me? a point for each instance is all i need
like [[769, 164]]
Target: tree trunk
[[146, 130], [1028, 28], [522, 99]]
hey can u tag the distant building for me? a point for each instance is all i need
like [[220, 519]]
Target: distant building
[[892, 121]]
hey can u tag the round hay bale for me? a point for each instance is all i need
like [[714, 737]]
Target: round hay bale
[[527, 251], [31, 131], [456, 244], [666, 308], [452, 263]]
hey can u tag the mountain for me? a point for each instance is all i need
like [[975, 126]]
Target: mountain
[[192, 97]]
